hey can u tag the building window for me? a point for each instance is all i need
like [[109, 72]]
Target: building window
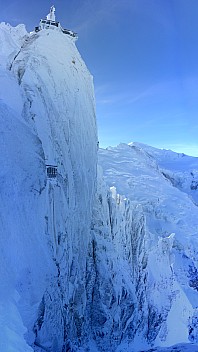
[[51, 171]]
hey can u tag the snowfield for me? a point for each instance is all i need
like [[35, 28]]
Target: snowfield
[[104, 256]]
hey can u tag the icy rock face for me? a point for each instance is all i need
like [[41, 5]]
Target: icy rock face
[[47, 113], [126, 292], [116, 270]]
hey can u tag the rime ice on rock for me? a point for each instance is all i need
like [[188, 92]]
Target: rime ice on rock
[[51, 23]]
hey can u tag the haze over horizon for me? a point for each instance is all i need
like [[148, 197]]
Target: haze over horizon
[[143, 58]]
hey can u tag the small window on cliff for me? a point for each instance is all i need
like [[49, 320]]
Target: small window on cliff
[[51, 171]]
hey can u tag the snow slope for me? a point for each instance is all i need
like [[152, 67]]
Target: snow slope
[[148, 178]]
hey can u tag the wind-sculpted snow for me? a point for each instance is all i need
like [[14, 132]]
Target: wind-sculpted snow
[[169, 234], [117, 264]]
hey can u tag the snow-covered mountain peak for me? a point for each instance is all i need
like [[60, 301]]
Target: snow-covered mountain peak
[[138, 172], [90, 261], [48, 119], [177, 168], [168, 155], [11, 39]]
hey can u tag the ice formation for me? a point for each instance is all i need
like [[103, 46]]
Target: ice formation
[[96, 255]]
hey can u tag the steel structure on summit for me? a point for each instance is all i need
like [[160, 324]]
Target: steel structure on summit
[[51, 23], [51, 15]]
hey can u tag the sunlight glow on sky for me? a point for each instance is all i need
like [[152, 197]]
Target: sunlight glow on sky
[[143, 55]]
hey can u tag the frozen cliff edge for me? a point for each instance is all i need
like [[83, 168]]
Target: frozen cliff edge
[[47, 113]]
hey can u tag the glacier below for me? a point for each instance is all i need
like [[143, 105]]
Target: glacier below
[[103, 257]]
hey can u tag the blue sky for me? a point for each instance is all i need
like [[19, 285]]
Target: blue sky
[[143, 55]]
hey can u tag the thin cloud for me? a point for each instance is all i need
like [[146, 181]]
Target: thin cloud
[[161, 90], [93, 13], [125, 97]]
